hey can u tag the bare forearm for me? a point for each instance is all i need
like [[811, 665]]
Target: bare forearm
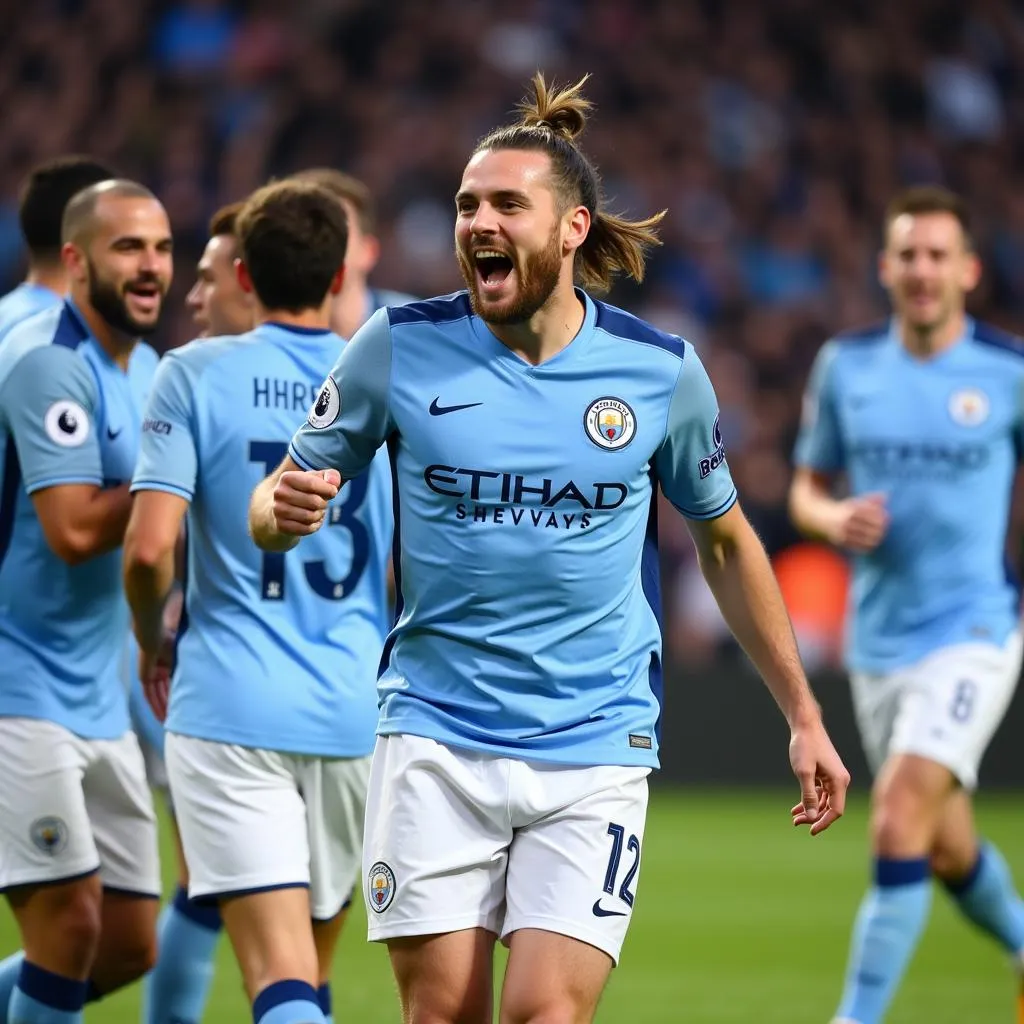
[[262, 524], [147, 586], [813, 510], [741, 579]]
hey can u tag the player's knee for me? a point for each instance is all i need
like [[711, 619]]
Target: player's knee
[[76, 923], [561, 1009], [902, 824]]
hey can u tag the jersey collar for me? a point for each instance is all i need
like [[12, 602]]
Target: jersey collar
[[572, 351]]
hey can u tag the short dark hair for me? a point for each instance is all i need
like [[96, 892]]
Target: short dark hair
[[929, 199], [292, 235], [45, 193], [224, 221], [347, 189]]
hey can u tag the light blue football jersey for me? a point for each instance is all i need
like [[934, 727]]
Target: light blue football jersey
[[68, 415], [24, 301], [941, 438], [275, 651], [526, 553]]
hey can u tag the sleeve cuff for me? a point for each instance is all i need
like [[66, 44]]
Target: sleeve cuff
[[163, 486], [714, 513], [57, 481]]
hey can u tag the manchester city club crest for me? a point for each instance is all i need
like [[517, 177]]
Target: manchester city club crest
[[969, 407], [381, 887], [609, 423], [49, 834]]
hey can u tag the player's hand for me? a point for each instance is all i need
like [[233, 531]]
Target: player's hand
[[861, 522], [823, 778], [155, 674], [301, 498]]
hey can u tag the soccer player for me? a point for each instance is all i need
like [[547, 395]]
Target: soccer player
[[528, 426], [923, 416], [78, 845], [358, 300], [176, 990], [273, 703], [44, 194], [218, 303]]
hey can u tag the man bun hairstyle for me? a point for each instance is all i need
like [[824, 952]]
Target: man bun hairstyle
[[550, 122]]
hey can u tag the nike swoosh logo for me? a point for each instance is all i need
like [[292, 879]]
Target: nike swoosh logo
[[113, 435], [443, 410], [599, 911]]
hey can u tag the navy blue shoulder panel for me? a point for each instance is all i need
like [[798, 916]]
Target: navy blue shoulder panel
[[71, 332], [621, 324], [438, 311], [986, 334], [873, 332]]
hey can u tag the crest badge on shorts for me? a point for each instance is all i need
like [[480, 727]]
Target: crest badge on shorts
[[381, 887], [49, 834], [609, 423], [969, 407]]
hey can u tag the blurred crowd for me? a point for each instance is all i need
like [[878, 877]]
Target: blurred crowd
[[773, 131]]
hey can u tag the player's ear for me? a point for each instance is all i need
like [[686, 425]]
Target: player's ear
[[575, 228], [337, 281], [370, 254], [971, 274], [244, 279], [75, 263]]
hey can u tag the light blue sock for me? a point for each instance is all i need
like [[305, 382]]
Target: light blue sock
[[889, 924], [987, 897], [175, 991], [287, 1002], [323, 997], [42, 997], [9, 971]]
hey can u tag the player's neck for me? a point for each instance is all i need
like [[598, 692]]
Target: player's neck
[[349, 308], [317, 319], [930, 342], [48, 275], [548, 331]]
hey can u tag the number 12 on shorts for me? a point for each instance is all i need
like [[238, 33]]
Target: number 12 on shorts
[[625, 892]]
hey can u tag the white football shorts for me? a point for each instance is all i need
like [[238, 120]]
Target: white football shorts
[[254, 820], [70, 806], [460, 839], [945, 707]]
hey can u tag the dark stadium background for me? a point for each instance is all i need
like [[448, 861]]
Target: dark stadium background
[[773, 131]]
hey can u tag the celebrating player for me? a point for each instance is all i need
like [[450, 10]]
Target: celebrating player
[[176, 990], [529, 426], [218, 303], [924, 417], [273, 704], [78, 846]]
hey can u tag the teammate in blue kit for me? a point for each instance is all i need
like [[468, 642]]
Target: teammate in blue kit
[[528, 427], [78, 849], [218, 303], [924, 415], [176, 990], [272, 705], [47, 190]]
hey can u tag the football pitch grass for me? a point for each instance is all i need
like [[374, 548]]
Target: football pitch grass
[[739, 918]]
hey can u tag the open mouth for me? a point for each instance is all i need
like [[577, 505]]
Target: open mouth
[[493, 268], [145, 297]]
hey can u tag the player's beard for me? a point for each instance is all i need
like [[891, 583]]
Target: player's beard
[[537, 277], [108, 301]]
